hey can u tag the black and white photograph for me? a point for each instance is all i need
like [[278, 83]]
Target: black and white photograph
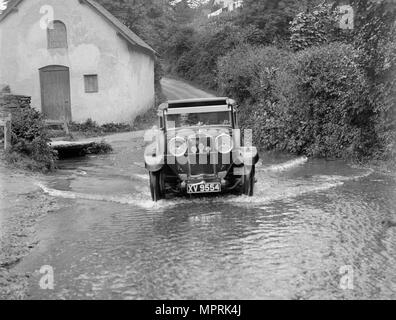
[[207, 151]]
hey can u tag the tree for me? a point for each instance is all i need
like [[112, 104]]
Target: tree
[[375, 39], [183, 12], [314, 27], [150, 19], [272, 17], [375, 21]]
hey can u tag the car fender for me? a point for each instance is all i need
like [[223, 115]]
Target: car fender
[[154, 154], [246, 156]]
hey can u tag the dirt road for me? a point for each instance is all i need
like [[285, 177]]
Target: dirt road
[[22, 204], [175, 89]]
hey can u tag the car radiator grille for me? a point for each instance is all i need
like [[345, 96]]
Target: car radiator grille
[[199, 149]]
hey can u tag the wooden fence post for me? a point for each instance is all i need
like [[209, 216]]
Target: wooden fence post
[[5, 121], [7, 135]]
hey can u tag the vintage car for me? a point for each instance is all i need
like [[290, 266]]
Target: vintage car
[[198, 149]]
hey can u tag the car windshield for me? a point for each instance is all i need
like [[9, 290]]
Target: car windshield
[[198, 119]]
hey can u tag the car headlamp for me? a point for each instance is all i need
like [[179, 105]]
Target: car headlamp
[[224, 143], [177, 146]]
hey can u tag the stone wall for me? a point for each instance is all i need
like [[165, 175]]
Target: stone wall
[[11, 102]]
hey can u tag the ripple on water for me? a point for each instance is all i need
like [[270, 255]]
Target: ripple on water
[[268, 189]]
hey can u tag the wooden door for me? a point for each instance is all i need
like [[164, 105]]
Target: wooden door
[[55, 93]]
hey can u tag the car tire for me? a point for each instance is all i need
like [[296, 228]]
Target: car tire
[[156, 186], [248, 183]]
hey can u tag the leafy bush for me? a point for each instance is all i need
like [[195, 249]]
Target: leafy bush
[[246, 72], [196, 60], [262, 80], [271, 17], [315, 27], [98, 148], [334, 108], [91, 128], [375, 40], [88, 126], [312, 102], [30, 147]]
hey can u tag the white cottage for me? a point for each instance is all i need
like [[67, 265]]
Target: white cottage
[[76, 61], [225, 6]]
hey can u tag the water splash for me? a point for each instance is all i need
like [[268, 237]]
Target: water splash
[[143, 201], [144, 177], [267, 191], [365, 174], [285, 166], [139, 165], [268, 195], [140, 199]]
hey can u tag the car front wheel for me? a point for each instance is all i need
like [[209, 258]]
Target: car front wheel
[[156, 186]]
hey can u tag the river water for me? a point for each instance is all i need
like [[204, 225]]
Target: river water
[[310, 224]]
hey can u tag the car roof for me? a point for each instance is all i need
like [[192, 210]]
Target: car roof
[[196, 102]]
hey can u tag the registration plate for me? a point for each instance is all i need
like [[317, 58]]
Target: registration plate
[[204, 187]]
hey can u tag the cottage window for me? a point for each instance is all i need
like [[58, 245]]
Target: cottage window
[[57, 35], [91, 83]]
